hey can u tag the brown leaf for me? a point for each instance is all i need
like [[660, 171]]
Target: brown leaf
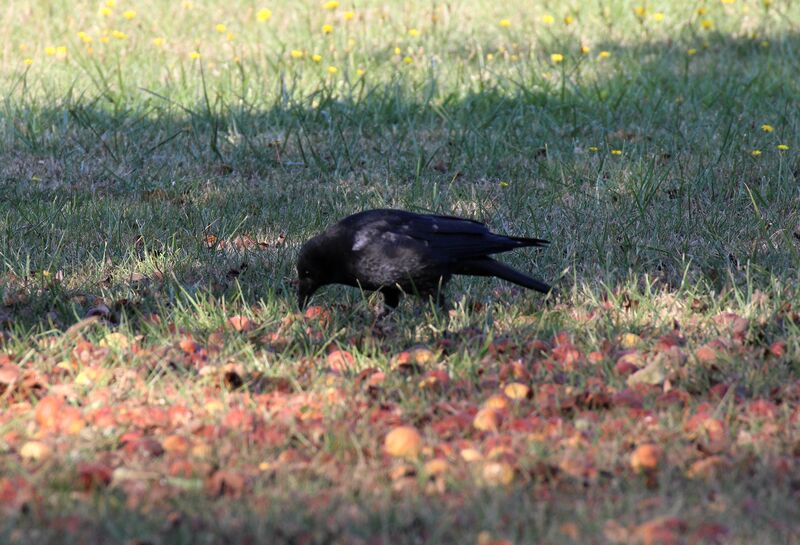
[[403, 442], [340, 361], [93, 475], [242, 324], [646, 457], [175, 444], [497, 473], [487, 419], [35, 451], [707, 468], [653, 373], [48, 412], [225, 483], [9, 375], [414, 360], [733, 323], [660, 531], [517, 391]]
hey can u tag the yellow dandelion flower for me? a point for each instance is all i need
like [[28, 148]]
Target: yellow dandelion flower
[[413, 32], [221, 28], [707, 24], [702, 11], [397, 50], [61, 51], [360, 72], [594, 149], [514, 58], [604, 55], [332, 70], [505, 23], [316, 57], [728, 1], [296, 54], [85, 38], [755, 152], [556, 57], [639, 11], [767, 3], [349, 15], [332, 4], [187, 5], [29, 61], [766, 127], [616, 152], [503, 183], [111, 3], [691, 51], [548, 19], [105, 12], [194, 55], [585, 49], [658, 17], [489, 57], [408, 60], [764, 43], [104, 39], [158, 42], [129, 14], [118, 35], [263, 15], [327, 29], [230, 36], [782, 147], [569, 19]]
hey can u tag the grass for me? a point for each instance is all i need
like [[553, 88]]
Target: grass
[[166, 195]]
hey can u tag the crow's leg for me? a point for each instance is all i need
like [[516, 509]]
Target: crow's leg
[[441, 300]]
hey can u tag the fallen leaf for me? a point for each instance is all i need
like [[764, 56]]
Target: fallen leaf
[[437, 466], [497, 473], [414, 360], [48, 412], [9, 374], [93, 475], [707, 468], [403, 442], [35, 451], [340, 361], [241, 324], [660, 531], [646, 457], [653, 373], [517, 391], [116, 341], [487, 419], [630, 340], [225, 483], [175, 444]]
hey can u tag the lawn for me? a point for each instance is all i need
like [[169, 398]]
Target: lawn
[[162, 161]]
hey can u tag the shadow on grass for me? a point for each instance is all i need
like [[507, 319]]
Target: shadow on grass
[[137, 184]]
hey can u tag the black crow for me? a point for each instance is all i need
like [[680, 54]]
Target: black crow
[[394, 251]]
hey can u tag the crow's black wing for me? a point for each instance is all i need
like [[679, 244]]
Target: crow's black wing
[[457, 238]]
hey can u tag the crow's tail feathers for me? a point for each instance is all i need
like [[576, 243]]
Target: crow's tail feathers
[[524, 241], [490, 267]]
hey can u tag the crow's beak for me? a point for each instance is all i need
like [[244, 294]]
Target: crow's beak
[[305, 290]]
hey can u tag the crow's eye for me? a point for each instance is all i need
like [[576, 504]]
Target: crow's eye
[[306, 274]]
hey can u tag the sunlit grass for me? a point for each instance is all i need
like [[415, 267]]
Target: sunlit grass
[[161, 162]]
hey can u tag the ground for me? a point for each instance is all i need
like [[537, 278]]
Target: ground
[[161, 163]]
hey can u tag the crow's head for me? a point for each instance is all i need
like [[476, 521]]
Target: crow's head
[[311, 271]]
